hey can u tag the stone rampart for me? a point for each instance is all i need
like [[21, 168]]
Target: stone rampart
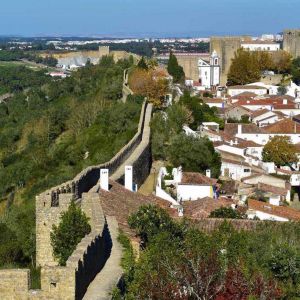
[[91, 254], [89, 177], [13, 283]]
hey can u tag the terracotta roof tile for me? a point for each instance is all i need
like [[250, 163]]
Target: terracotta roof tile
[[267, 101], [244, 95], [232, 128], [272, 189], [120, 202], [213, 100], [246, 87], [202, 208], [286, 126], [279, 211], [197, 178], [259, 112]]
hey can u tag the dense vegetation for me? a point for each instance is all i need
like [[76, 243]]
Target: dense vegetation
[[180, 262], [170, 144], [295, 70], [147, 80], [227, 213], [280, 150], [175, 70], [15, 55], [145, 48], [17, 78], [73, 226], [247, 67], [50, 131]]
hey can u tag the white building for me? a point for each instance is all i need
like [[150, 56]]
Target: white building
[[234, 169], [265, 211], [250, 132], [209, 72], [239, 89], [261, 46], [189, 186]]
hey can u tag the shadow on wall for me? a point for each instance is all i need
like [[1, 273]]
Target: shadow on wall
[[87, 270]]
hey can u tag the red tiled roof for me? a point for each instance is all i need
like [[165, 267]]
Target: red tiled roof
[[288, 172], [233, 106], [284, 106], [246, 87], [213, 100], [202, 208], [279, 211], [272, 189], [197, 178], [244, 95], [286, 126], [232, 128], [120, 202], [268, 101], [259, 112], [245, 144]]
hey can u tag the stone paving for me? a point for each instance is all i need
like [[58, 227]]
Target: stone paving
[[104, 282]]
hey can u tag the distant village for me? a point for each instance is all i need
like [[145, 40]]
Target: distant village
[[264, 190]]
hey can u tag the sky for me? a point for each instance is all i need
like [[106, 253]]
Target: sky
[[147, 18]]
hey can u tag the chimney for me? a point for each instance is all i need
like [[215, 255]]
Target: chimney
[[284, 101], [235, 141], [104, 179], [231, 142], [129, 178], [239, 129], [208, 173]]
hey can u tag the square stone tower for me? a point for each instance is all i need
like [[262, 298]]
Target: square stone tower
[[291, 42], [226, 47]]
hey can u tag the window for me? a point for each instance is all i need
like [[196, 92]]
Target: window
[[247, 170]]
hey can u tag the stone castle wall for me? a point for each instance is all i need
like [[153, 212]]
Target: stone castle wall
[[291, 42], [91, 254], [225, 47], [89, 177]]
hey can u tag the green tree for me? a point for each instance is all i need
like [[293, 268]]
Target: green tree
[[70, 231], [295, 70], [280, 150], [194, 154], [150, 220], [10, 250], [244, 68], [142, 64], [282, 90], [175, 69], [226, 213]]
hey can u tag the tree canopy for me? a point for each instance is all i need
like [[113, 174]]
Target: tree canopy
[[151, 83], [295, 70], [244, 68], [280, 150], [50, 130], [194, 154], [190, 264], [70, 231], [175, 69], [226, 213]]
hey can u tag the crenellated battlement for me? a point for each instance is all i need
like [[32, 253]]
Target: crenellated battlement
[[96, 251]]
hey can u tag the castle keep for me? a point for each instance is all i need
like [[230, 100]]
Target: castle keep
[[291, 42]]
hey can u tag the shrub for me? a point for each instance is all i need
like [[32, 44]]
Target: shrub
[[226, 212], [66, 236]]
